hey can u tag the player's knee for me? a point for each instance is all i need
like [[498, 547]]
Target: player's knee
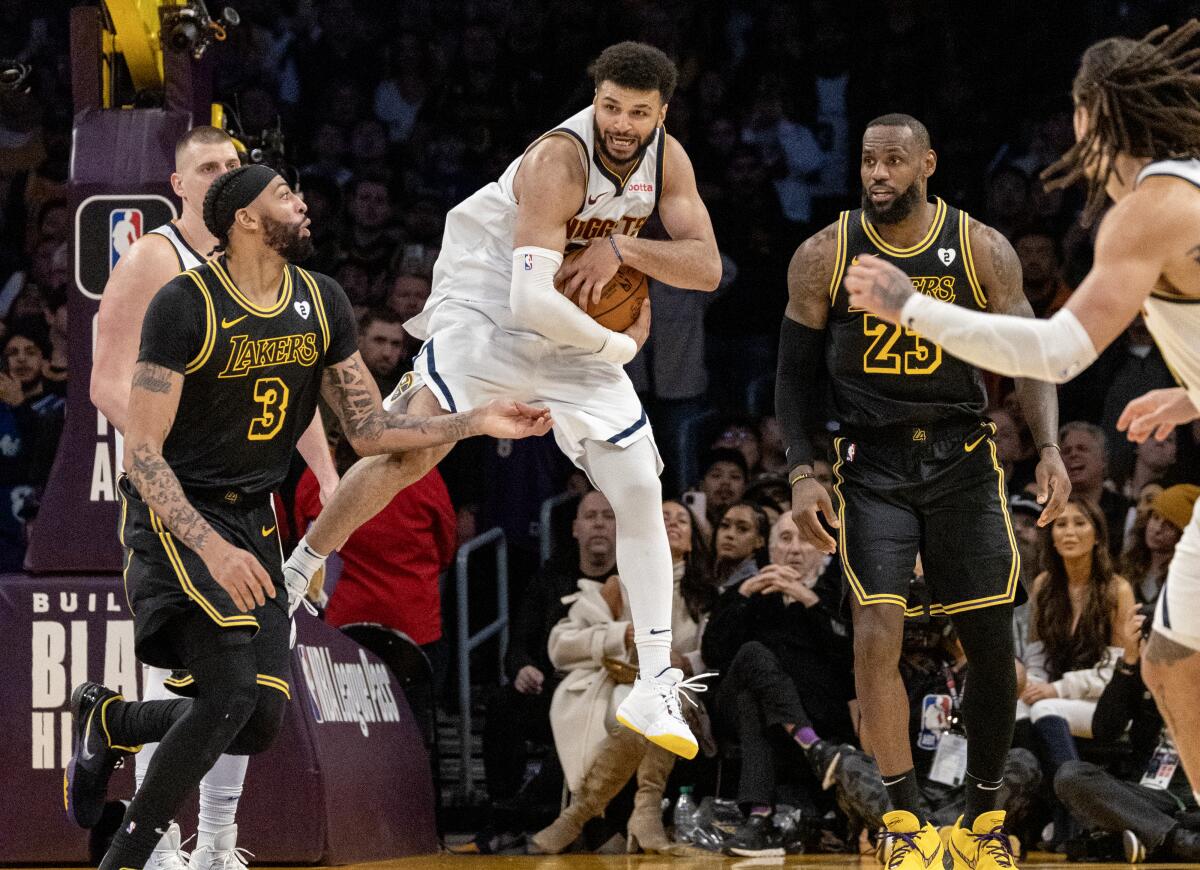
[[878, 636], [263, 725], [1069, 779]]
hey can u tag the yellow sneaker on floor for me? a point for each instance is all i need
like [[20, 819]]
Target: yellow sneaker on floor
[[985, 846], [910, 846]]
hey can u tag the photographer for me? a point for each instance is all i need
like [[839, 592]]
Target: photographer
[[1147, 802]]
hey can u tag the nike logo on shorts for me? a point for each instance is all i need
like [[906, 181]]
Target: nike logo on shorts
[[971, 447], [266, 533], [225, 324]]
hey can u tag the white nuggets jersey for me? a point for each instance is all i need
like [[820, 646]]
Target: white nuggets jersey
[[189, 257], [1174, 321], [474, 269]]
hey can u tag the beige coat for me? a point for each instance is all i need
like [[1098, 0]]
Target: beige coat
[[583, 710]]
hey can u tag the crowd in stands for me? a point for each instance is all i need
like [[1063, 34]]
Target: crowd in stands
[[394, 112]]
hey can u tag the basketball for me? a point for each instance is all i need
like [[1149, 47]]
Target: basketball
[[621, 300]]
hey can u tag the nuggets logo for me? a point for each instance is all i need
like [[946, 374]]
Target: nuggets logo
[[124, 228], [598, 227], [246, 353]]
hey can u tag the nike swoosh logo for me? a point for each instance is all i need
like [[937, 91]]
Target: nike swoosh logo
[[592, 200], [970, 447], [87, 732], [225, 324], [266, 533], [659, 630]]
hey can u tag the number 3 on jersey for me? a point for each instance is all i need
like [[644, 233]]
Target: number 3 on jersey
[[272, 395], [884, 358]]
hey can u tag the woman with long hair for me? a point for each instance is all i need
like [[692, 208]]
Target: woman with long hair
[[1079, 607], [740, 543], [597, 770], [1153, 539]]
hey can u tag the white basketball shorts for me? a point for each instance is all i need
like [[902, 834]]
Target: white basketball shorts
[[1177, 616]]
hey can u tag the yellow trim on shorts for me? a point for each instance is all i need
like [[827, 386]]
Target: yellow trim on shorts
[[860, 594], [964, 242], [935, 229], [241, 299], [839, 261], [125, 547], [274, 683], [210, 325], [179, 683], [318, 305], [240, 620], [104, 726], [1010, 592]]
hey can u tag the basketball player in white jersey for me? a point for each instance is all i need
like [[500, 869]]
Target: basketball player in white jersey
[[201, 155], [1137, 126], [495, 325]]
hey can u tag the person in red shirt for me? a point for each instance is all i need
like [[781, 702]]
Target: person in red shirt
[[391, 564]]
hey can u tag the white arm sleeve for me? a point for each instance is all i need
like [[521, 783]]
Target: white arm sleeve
[[1054, 350], [539, 306]]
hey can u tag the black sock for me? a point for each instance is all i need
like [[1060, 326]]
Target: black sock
[[1181, 844], [904, 794], [981, 797], [132, 723]]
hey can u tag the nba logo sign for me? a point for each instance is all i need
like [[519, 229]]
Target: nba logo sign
[[529, 262], [124, 228]]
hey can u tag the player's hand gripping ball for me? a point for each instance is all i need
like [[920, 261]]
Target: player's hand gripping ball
[[621, 300]]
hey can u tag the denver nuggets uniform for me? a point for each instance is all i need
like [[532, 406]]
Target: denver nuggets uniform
[[189, 257], [475, 350], [251, 379], [1174, 321], [915, 467]]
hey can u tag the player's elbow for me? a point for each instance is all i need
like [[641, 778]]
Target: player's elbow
[[103, 396], [709, 273]]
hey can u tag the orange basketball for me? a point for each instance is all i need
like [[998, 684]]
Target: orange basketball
[[621, 300]]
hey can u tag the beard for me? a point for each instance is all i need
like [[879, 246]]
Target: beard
[[900, 208], [286, 241], [598, 136]]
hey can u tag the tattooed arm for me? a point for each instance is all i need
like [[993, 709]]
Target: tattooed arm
[[153, 401], [999, 272], [350, 389]]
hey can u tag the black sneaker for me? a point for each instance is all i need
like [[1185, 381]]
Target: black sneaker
[[93, 759], [824, 757], [756, 837]]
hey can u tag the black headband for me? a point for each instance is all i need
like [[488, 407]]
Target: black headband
[[232, 191]]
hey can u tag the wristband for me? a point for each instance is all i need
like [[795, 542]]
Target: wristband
[[616, 250], [794, 479], [1053, 444]]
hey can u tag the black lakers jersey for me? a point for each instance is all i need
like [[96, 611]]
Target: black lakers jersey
[[251, 374], [883, 374]]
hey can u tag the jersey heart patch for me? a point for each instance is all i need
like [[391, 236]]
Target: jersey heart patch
[[302, 308]]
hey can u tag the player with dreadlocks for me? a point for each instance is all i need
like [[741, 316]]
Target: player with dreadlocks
[[1137, 126]]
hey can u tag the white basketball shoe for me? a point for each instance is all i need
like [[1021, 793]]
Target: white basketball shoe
[[169, 854], [223, 854], [652, 709]]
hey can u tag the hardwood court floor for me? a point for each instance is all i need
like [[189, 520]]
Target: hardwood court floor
[[654, 862]]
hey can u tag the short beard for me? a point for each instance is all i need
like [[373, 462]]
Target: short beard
[[286, 241], [598, 136], [902, 206]]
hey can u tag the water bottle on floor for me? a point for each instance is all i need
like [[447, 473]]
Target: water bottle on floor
[[685, 816]]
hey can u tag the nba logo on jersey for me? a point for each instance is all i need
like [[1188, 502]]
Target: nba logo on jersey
[[529, 262], [124, 228]]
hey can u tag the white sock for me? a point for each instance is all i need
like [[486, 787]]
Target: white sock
[[219, 793], [628, 477], [305, 558]]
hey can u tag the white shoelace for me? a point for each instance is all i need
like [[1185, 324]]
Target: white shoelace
[[672, 692], [175, 857], [297, 590]]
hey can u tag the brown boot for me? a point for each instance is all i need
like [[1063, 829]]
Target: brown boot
[[645, 822], [615, 762]]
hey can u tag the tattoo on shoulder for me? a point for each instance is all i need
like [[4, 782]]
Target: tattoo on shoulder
[[1194, 253], [1164, 651], [152, 378], [812, 265]]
